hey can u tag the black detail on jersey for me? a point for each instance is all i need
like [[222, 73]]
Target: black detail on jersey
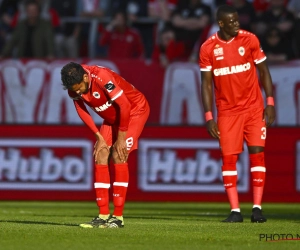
[[109, 86]]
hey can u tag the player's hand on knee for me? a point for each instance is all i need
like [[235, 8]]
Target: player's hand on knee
[[120, 147], [213, 129], [101, 149]]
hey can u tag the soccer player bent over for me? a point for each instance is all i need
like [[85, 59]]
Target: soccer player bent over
[[125, 111], [230, 58]]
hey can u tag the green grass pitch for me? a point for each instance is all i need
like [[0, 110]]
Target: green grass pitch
[[164, 225]]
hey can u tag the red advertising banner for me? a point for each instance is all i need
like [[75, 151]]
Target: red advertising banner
[[173, 163], [31, 92]]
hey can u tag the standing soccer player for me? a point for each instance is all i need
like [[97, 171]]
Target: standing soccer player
[[125, 111], [230, 58]]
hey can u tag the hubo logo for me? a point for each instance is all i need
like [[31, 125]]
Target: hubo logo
[[186, 165], [42, 164]]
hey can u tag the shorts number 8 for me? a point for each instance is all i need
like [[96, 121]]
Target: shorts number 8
[[129, 143]]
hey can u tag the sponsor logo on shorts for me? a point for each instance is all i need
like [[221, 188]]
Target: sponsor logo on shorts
[[185, 166]]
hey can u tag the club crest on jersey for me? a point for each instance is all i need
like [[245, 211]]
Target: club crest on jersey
[[96, 95], [241, 51], [109, 86]]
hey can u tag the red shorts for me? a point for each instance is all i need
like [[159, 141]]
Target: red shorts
[[135, 128], [234, 129]]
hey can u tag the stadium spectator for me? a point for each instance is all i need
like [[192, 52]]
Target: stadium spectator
[[32, 37], [137, 12], [189, 19], [167, 49], [210, 29], [213, 4], [276, 47], [228, 61], [247, 14], [161, 10], [8, 8], [67, 44], [279, 16], [260, 6], [46, 13], [91, 9], [122, 41], [206, 33], [125, 111], [294, 7]]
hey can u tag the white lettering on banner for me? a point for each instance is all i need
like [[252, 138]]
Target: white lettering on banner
[[287, 94], [161, 169], [286, 79], [298, 166], [22, 89], [31, 93], [181, 89], [45, 170], [232, 69]]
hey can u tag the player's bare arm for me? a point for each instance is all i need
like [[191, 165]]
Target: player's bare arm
[[207, 99], [269, 112]]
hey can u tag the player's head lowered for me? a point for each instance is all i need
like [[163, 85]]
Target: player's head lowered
[[228, 21], [74, 77]]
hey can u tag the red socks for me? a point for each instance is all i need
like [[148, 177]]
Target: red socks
[[229, 173], [102, 184], [258, 175], [120, 187]]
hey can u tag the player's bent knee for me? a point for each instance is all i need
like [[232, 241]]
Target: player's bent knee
[[255, 149], [102, 157], [115, 157]]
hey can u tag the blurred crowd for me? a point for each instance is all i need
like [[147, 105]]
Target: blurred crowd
[[161, 30]]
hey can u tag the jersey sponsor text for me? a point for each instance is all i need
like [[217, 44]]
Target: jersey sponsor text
[[232, 70], [103, 107]]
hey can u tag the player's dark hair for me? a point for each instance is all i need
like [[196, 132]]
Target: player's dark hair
[[223, 10], [72, 73]]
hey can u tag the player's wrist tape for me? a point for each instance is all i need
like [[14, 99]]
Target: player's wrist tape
[[270, 101], [208, 116]]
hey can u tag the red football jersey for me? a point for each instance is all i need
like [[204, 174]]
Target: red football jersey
[[234, 73], [111, 97], [123, 45]]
